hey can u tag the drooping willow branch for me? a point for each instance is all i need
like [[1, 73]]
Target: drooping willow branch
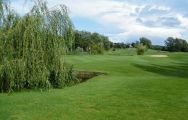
[[32, 47]]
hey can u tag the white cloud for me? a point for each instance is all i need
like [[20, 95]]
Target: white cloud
[[183, 20], [21, 6], [124, 16]]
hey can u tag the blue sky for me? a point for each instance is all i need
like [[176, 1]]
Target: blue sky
[[125, 20]]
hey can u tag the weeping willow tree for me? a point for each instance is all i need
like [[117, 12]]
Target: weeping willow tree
[[32, 46]]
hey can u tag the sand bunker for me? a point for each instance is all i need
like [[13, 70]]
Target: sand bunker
[[159, 56]]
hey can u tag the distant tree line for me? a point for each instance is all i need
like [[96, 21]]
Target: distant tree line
[[176, 45], [171, 44], [121, 45], [93, 43]]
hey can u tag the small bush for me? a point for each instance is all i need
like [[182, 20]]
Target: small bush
[[96, 49], [141, 49]]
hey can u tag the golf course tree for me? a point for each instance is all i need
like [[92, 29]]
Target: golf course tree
[[176, 45], [93, 43], [32, 47], [145, 41], [82, 40]]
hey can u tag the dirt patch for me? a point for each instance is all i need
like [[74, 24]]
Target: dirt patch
[[159, 56], [85, 75]]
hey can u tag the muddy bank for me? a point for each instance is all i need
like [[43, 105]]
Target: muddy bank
[[86, 75]]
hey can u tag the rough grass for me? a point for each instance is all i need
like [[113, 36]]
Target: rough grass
[[132, 51], [135, 88]]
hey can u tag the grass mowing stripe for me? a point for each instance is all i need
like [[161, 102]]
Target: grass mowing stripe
[[126, 92]]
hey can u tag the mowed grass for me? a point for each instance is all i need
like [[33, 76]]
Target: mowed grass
[[134, 88]]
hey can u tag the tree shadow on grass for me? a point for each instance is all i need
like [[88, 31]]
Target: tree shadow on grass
[[175, 70]]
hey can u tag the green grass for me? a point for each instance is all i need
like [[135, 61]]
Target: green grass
[[135, 88]]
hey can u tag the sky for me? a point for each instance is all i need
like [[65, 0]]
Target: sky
[[125, 20]]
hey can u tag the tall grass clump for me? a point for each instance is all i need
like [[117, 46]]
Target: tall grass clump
[[32, 47]]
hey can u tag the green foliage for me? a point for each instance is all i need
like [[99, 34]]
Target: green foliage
[[146, 42], [157, 47], [96, 49], [121, 45], [133, 52], [141, 49], [135, 44], [93, 43], [32, 46], [176, 45], [78, 50]]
